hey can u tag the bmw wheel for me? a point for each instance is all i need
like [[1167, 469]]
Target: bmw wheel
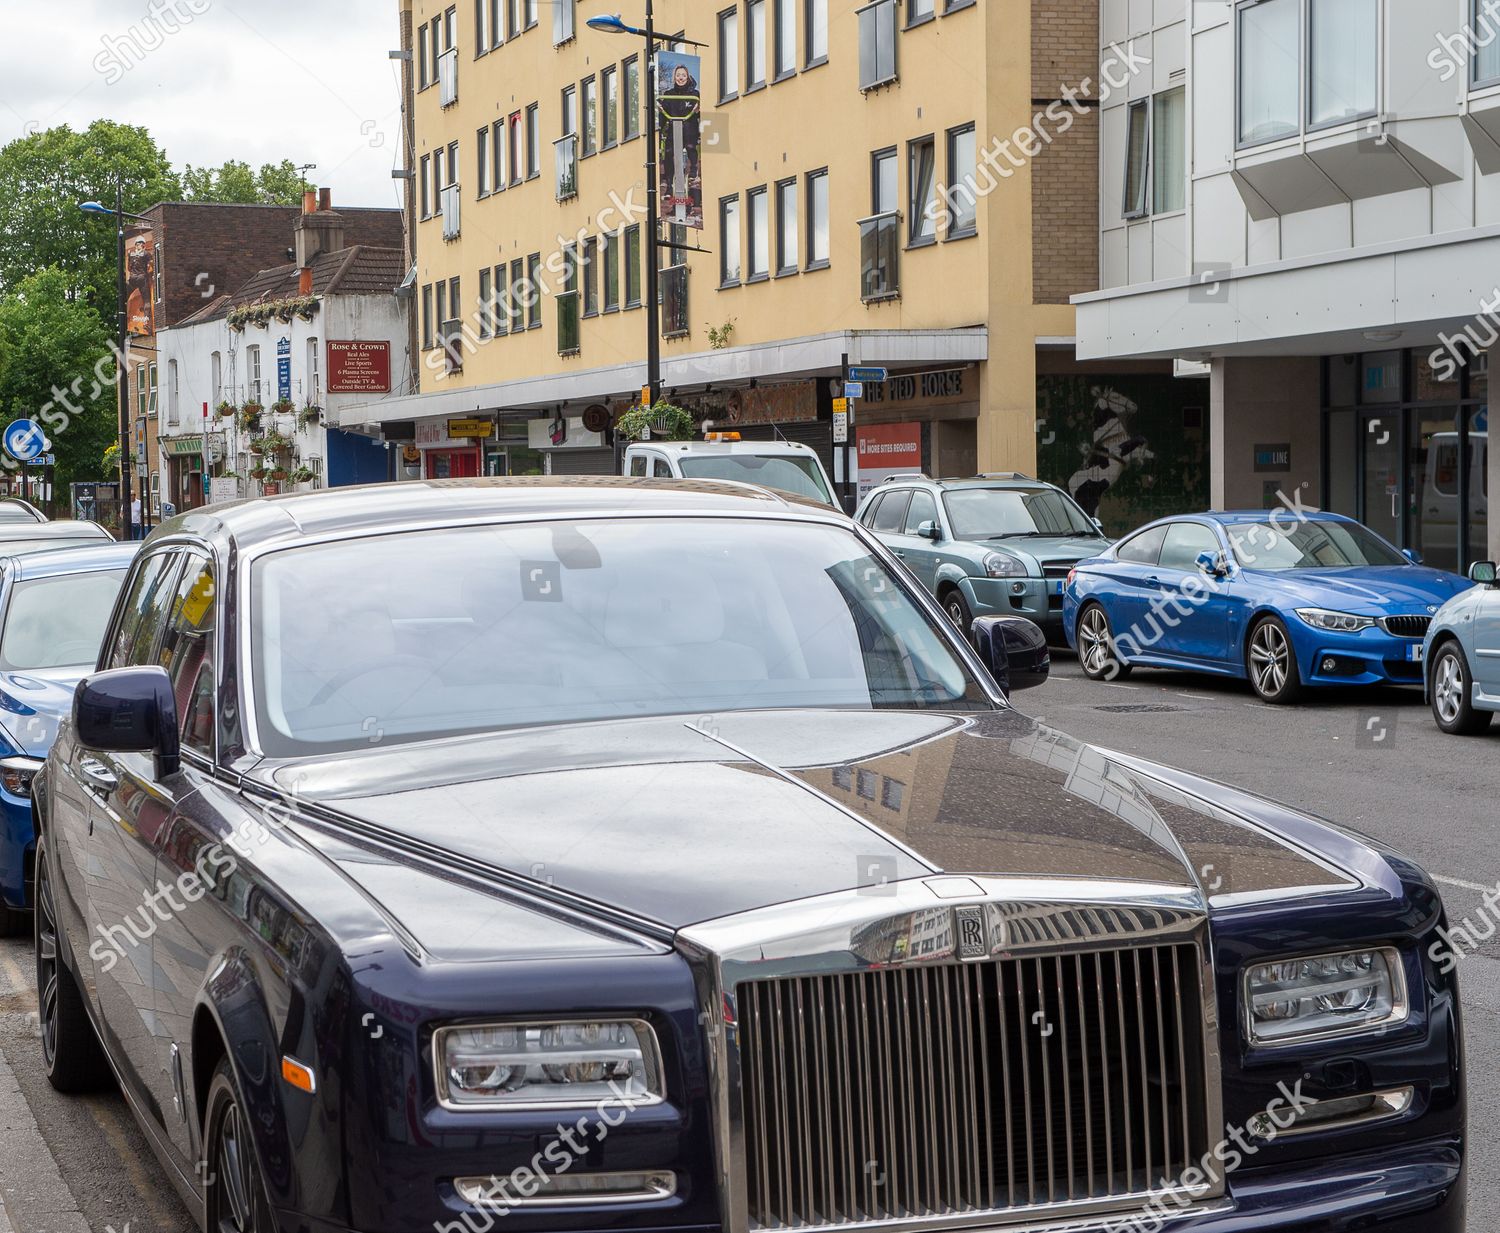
[[1453, 694], [236, 1196], [1097, 655], [71, 1053], [1272, 663]]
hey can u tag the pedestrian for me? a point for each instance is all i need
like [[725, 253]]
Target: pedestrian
[[136, 530]]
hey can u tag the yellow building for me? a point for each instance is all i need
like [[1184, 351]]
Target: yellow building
[[870, 179]]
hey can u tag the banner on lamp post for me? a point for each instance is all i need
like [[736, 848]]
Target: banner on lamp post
[[679, 139], [140, 281]]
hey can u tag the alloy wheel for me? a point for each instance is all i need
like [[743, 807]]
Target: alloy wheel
[[1095, 646], [1270, 658], [234, 1181], [1448, 689], [47, 975]]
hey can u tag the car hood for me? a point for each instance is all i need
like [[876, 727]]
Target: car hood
[[677, 821], [1067, 548], [1367, 591], [33, 703]]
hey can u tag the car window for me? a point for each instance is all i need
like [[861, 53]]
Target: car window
[[922, 509], [1142, 549], [1006, 513], [58, 622], [638, 464], [892, 512], [663, 469], [187, 652], [1281, 543], [135, 632], [795, 473], [1184, 542]]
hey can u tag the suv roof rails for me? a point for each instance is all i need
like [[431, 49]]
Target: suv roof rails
[[1005, 475], [906, 475]]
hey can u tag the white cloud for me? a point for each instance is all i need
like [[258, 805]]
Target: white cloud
[[258, 80]]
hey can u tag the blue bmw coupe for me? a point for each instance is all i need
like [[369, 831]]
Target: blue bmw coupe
[[1282, 599]]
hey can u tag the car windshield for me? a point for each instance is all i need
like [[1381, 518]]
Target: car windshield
[[1279, 544], [785, 472], [1007, 513], [58, 622], [426, 634]]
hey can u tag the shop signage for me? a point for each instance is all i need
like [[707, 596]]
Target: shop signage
[[1276, 457], [223, 488], [284, 368], [177, 446], [460, 429], [357, 367], [886, 448], [854, 389], [949, 386]]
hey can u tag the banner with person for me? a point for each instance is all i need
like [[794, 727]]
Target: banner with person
[[140, 281], [679, 138]]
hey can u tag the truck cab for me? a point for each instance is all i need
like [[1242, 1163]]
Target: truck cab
[[782, 465]]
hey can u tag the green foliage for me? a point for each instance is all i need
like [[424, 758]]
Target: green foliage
[[719, 337], [240, 184], [667, 422], [56, 367]]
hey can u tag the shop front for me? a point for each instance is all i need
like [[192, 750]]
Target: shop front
[[445, 456], [923, 422], [186, 488]]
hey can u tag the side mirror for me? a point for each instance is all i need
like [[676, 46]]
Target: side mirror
[[930, 530], [1482, 572], [130, 710], [1412, 555], [1014, 650], [1099, 526], [1213, 564]]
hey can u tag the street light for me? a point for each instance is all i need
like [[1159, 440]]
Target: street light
[[122, 342]]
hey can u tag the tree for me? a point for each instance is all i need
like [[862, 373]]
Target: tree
[[44, 177], [56, 367], [237, 182]]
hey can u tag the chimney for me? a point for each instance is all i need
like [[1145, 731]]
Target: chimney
[[318, 231]]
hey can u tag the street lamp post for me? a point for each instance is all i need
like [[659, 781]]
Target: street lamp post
[[122, 342]]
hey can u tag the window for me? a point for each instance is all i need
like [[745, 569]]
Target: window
[[534, 291], [880, 234], [569, 110], [567, 303], [533, 142], [729, 54], [1137, 158], [482, 162], [961, 195], [787, 254], [674, 301], [632, 114], [923, 509], [424, 73], [151, 386], [500, 168], [439, 156], [1486, 58], [486, 305], [173, 409], [314, 373], [883, 182], [610, 250], [729, 241], [755, 44], [1343, 60], [565, 159], [786, 38], [638, 465], [1142, 549], [519, 296], [497, 22], [512, 18], [453, 176], [252, 373], [187, 653], [427, 331], [134, 635], [758, 213], [424, 189], [877, 44], [1183, 542], [591, 277], [921, 185], [817, 219], [1269, 60], [816, 35], [1169, 151], [531, 11], [633, 266], [891, 513], [610, 86], [517, 145], [590, 116], [481, 27], [441, 313], [216, 376], [918, 11], [564, 20]]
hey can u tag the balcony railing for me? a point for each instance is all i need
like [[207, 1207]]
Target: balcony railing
[[564, 20], [565, 159], [451, 339], [674, 301], [448, 77], [452, 199], [567, 323], [880, 256], [877, 44]]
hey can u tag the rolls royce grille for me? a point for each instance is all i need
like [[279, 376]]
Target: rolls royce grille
[[923, 1091]]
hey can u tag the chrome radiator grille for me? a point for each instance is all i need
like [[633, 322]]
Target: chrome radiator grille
[[929, 1091]]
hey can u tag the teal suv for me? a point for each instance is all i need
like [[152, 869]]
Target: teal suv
[[994, 545]]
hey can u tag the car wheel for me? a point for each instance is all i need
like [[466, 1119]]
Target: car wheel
[[71, 1053], [957, 608], [1096, 646], [1453, 694], [1272, 663], [236, 1198]]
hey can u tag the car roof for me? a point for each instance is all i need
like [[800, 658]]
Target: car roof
[[726, 447], [1008, 480], [48, 562], [64, 529], [1281, 513], [373, 507], [30, 511]]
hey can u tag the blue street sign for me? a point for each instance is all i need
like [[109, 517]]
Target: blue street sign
[[854, 389], [25, 441], [47, 460], [284, 379], [867, 374]]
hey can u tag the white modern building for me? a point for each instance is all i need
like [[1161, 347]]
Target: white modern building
[[299, 342], [1303, 198]]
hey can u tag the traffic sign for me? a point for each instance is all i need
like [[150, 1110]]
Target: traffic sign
[[840, 427], [854, 389], [840, 406], [25, 441], [867, 374]]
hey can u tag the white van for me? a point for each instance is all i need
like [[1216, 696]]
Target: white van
[[796, 469], [1439, 509]]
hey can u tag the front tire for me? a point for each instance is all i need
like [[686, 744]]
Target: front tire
[[235, 1196], [71, 1054], [1453, 694], [1271, 663], [1097, 654], [957, 608]]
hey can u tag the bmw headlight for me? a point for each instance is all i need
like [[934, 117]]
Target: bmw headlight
[[17, 773], [1003, 565], [1335, 622], [1324, 995], [547, 1065]]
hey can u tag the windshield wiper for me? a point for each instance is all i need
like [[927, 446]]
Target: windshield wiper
[[1023, 535]]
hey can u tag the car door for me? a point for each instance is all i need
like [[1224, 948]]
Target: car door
[[1487, 642], [1193, 611], [888, 518], [1124, 591], [124, 815], [921, 554]]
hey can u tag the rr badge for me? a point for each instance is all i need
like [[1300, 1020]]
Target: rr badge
[[969, 924]]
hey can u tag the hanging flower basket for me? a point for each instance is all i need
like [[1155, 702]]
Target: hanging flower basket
[[283, 406], [302, 475], [278, 475], [274, 443], [258, 446], [250, 415], [309, 415], [225, 410], [258, 473]]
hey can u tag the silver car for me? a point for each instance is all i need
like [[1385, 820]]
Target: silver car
[[1462, 654]]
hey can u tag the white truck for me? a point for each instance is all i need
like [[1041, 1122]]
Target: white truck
[[723, 456]]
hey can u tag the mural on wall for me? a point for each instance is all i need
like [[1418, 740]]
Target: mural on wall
[[1129, 449]]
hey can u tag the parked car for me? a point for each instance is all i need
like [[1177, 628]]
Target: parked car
[[18, 537], [783, 465], [477, 817], [14, 509], [1281, 600], [1462, 681], [995, 544], [53, 609]]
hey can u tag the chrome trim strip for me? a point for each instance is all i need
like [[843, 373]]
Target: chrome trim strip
[[1389, 1104], [655, 1186]]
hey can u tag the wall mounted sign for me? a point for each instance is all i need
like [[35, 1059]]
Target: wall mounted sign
[[358, 367]]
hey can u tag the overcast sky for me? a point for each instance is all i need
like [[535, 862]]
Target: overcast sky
[[257, 80]]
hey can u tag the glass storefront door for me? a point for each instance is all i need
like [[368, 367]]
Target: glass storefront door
[[1380, 472]]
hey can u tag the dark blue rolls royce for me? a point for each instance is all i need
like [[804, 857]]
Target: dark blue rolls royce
[[614, 854]]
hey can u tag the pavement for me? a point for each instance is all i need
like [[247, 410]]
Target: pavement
[[1371, 760]]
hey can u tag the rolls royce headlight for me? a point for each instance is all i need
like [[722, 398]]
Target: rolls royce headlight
[[1335, 622], [548, 1065], [1324, 995], [1003, 565]]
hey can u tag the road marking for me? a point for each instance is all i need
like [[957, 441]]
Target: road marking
[[1473, 886], [112, 1124]]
